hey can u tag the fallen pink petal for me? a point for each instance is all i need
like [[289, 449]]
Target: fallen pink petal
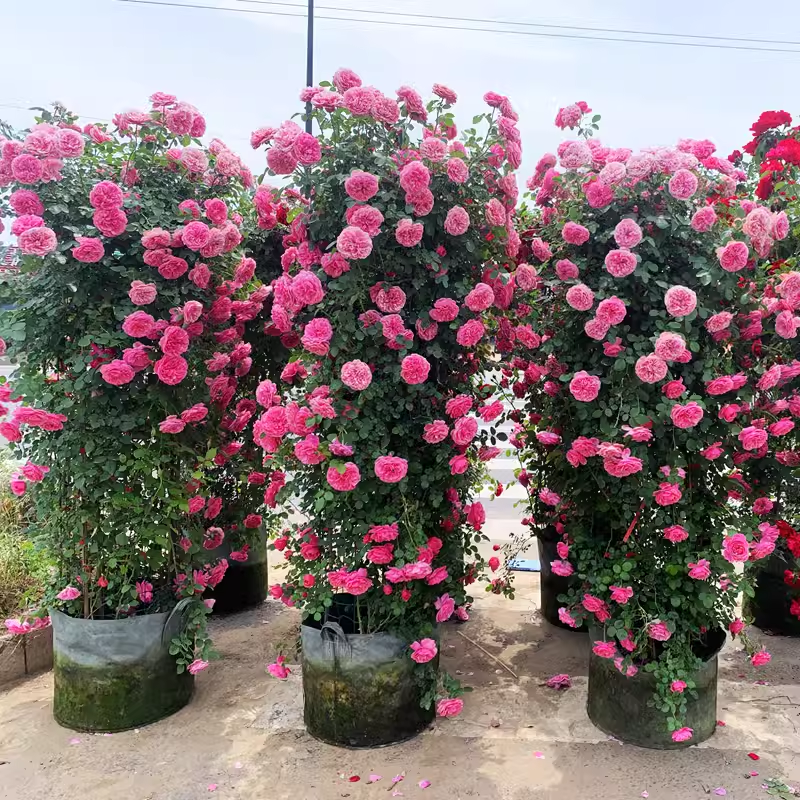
[[538, 754], [424, 784], [374, 778], [561, 681], [721, 791], [212, 787]]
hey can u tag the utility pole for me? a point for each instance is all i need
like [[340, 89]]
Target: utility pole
[[310, 60]]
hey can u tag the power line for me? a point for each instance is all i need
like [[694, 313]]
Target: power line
[[525, 24], [462, 28]]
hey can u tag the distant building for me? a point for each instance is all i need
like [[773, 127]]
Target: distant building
[[9, 260]]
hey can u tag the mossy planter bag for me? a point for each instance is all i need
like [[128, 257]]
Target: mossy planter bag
[[552, 585], [245, 583], [769, 607], [116, 674], [359, 690], [620, 706]]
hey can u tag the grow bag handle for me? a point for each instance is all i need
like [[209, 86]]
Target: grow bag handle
[[332, 633], [179, 606]]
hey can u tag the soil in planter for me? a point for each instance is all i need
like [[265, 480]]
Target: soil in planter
[[552, 585], [359, 690], [117, 697], [619, 706], [769, 607]]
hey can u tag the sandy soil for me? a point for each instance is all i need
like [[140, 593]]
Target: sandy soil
[[242, 736]]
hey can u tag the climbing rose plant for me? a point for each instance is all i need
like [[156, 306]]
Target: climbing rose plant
[[128, 335], [643, 400], [389, 269]]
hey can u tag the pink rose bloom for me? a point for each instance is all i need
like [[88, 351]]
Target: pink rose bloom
[[682, 735], [470, 333], [26, 221], [117, 373], [26, 201], [361, 186], [142, 294], [733, 257], [423, 651], [307, 289], [676, 533], [356, 375], [700, 570], [414, 369], [770, 378], [37, 241], [196, 235], [658, 631], [567, 618], [667, 494], [408, 233], [673, 389], [547, 438], [458, 465], [354, 243], [686, 416], [449, 706], [683, 184], [458, 171], [620, 263], [367, 218], [89, 250], [621, 594], [605, 649], [171, 369], [278, 670], [458, 406], [562, 568], [444, 310], [18, 486], [391, 469], [572, 233], [639, 433], [445, 606], [627, 234], [760, 658], [753, 438], [565, 270], [34, 472], [26, 168], [781, 427], [457, 221], [611, 310], [584, 387], [172, 424], [580, 297], [344, 481], [110, 221], [613, 349], [174, 341], [651, 369], [736, 548], [464, 431], [677, 686], [704, 219], [382, 554], [69, 593], [680, 301], [414, 177], [480, 298], [718, 322], [435, 431], [670, 346], [306, 149], [786, 325]]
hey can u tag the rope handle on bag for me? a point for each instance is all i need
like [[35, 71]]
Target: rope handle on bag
[[179, 606], [332, 633]]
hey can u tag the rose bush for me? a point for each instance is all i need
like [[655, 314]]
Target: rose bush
[[643, 400], [128, 334], [388, 271]]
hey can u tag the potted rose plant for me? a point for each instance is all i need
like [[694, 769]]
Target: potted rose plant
[[134, 279], [635, 454], [392, 265], [774, 159]]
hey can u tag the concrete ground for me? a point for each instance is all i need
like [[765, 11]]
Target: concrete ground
[[242, 737]]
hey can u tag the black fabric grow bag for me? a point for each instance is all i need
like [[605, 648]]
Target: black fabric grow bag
[[619, 705], [112, 675], [552, 585], [769, 608], [359, 690], [245, 583]]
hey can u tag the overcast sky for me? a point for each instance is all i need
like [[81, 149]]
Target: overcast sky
[[245, 70]]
